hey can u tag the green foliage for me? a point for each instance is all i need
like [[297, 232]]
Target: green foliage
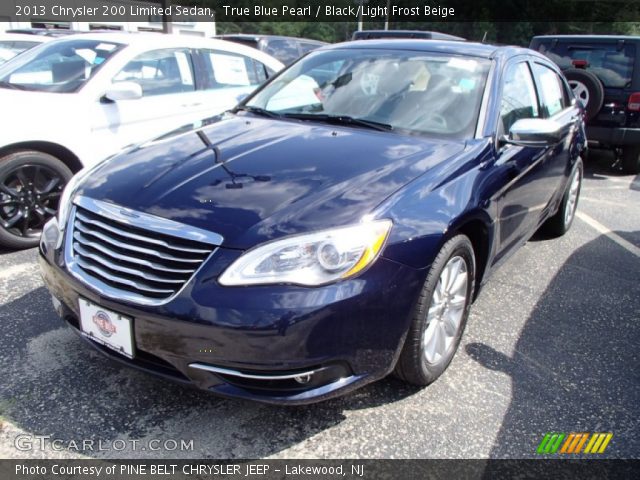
[[508, 33]]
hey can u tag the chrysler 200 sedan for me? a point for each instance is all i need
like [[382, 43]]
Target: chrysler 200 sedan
[[333, 228]]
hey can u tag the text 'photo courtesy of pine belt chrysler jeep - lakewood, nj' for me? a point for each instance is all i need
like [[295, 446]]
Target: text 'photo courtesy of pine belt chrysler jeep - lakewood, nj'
[[331, 229]]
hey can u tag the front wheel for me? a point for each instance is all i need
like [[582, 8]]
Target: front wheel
[[440, 314], [561, 222], [30, 186]]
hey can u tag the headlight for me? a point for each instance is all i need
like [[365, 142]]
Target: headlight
[[310, 259], [66, 199]]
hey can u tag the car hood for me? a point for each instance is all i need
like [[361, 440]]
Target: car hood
[[251, 179]]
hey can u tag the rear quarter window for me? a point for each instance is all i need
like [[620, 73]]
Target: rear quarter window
[[612, 63]]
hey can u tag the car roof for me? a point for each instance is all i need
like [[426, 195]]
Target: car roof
[[24, 37], [587, 37], [162, 40], [45, 32], [423, 34], [257, 37], [142, 38], [473, 49]]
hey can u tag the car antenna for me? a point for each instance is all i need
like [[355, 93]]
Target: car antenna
[[210, 145]]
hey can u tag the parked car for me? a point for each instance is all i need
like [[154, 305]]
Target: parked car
[[12, 44], [291, 253], [388, 34], [76, 100], [45, 32], [285, 49], [604, 73]]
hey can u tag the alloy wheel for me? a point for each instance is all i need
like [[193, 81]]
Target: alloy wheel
[[29, 196], [572, 199], [446, 310], [580, 91]]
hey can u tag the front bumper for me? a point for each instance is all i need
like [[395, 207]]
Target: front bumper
[[276, 344]]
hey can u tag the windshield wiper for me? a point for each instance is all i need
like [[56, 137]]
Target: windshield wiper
[[12, 86], [257, 110], [341, 120]]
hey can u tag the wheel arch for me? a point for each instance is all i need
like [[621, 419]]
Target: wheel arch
[[479, 230], [65, 155]]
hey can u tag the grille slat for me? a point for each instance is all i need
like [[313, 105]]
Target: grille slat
[[129, 259], [131, 248], [120, 280], [129, 271], [122, 233], [133, 260]]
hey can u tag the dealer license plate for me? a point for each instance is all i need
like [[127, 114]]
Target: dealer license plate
[[106, 327]]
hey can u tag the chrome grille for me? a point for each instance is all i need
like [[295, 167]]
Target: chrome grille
[[132, 255]]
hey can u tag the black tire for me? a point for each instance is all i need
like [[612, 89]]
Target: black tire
[[560, 223], [412, 366], [30, 186], [593, 87], [631, 160]]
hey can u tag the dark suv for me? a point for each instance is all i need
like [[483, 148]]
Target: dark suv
[[600, 70], [285, 49], [389, 34]]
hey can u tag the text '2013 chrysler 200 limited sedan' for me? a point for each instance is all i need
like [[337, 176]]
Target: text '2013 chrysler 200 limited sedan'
[[332, 229]]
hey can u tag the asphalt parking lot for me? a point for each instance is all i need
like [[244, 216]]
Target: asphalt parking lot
[[551, 345]]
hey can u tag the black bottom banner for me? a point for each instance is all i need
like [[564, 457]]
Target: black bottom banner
[[316, 469]]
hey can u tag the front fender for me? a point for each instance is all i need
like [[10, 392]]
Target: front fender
[[430, 209]]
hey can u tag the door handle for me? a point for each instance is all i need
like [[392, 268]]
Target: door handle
[[185, 105]]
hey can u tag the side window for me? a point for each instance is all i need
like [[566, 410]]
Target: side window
[[551, 87], [228, 70], [284, 49], [160, 72], [262, 73], [518, 96], [306, 47]]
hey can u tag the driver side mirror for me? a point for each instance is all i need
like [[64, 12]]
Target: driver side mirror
[[123, 91], [534, 132]]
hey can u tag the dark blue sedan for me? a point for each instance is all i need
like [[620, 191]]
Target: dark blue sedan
[[332, 229]]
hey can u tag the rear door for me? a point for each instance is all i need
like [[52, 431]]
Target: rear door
[[225, 78], [556, 104]]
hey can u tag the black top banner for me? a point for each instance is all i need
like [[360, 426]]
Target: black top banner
[[597, 11]]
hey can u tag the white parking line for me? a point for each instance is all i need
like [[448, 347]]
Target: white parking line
[[598, 200], [630, 247]]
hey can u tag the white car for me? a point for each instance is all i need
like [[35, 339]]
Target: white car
[[76, 100], [12, 44]]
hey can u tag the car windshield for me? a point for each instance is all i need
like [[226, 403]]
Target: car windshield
[[11, 48], [60, 66], [408, 92]]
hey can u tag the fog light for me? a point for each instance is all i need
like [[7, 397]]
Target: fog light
[[51, 235], [303, 379]]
